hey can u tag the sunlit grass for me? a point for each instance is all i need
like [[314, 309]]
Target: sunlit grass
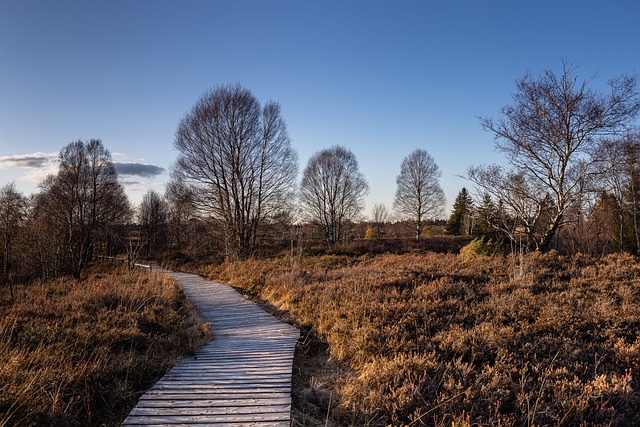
[[430, 339], [82, 352]]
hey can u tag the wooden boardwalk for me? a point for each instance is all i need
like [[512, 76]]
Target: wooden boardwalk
[[242, 377]]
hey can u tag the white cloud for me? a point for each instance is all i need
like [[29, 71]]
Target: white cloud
[[30, 161], [136, 175], [38, 165]]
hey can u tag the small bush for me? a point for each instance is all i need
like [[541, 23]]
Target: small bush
[[477, 248], [371, 234]]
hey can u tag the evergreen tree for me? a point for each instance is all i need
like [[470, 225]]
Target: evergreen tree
[[485, 217], [459, 222]]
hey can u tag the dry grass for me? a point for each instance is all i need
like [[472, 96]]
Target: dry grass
[[81, 353], [428, 339]]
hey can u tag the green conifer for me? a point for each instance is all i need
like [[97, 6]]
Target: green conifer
[[459, 222]]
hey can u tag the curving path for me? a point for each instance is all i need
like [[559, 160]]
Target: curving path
[[242, 377]]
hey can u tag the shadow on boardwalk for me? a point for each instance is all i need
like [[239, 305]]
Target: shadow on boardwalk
[[241, 377]]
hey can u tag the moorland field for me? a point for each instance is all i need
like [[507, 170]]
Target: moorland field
[[81, 352], [414, 338], [426, 338]]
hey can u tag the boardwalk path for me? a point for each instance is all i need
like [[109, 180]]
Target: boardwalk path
[[241, 377]]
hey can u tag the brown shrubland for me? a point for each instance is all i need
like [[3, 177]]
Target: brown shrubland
[[81, 352], [430, 339]]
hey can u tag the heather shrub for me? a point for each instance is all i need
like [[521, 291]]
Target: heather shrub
[[82, 352], [431, 339]]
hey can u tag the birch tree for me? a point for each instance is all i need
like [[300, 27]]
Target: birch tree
[[13, 206], [418, 194], [549, 135], [83, 201], [332, 191], [237, 158]]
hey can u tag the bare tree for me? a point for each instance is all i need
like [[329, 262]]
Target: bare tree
[[41, 241], [332, 191], [379, 216], [181, 211], [152, 218], [549, 135], [419, 194], [631, 150], [109, 208], [133, 244], [237, 157], [620, 176], [523, 202], [84, 200], [13, 207]]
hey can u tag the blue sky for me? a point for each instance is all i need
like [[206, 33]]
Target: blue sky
[[380, 78]]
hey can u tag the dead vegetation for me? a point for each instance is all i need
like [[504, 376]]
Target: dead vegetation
[[81, 352], [429, 339]]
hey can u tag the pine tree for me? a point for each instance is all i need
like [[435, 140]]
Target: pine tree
[[485, 217], [459, 222]]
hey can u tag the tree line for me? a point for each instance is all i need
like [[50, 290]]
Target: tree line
[[236, 160], [572, 183], [232, 192]]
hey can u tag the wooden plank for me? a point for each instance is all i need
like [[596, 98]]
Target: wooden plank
[[235, 365], [238, 369], [170, 388], [213, 395], [241, 377], [221, 402], [253, 411], [139, 421], [212, 419], [247, 366], [253, 381], [229, 376]]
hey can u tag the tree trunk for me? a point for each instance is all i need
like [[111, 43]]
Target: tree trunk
[[547, 239], [636, 227]]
